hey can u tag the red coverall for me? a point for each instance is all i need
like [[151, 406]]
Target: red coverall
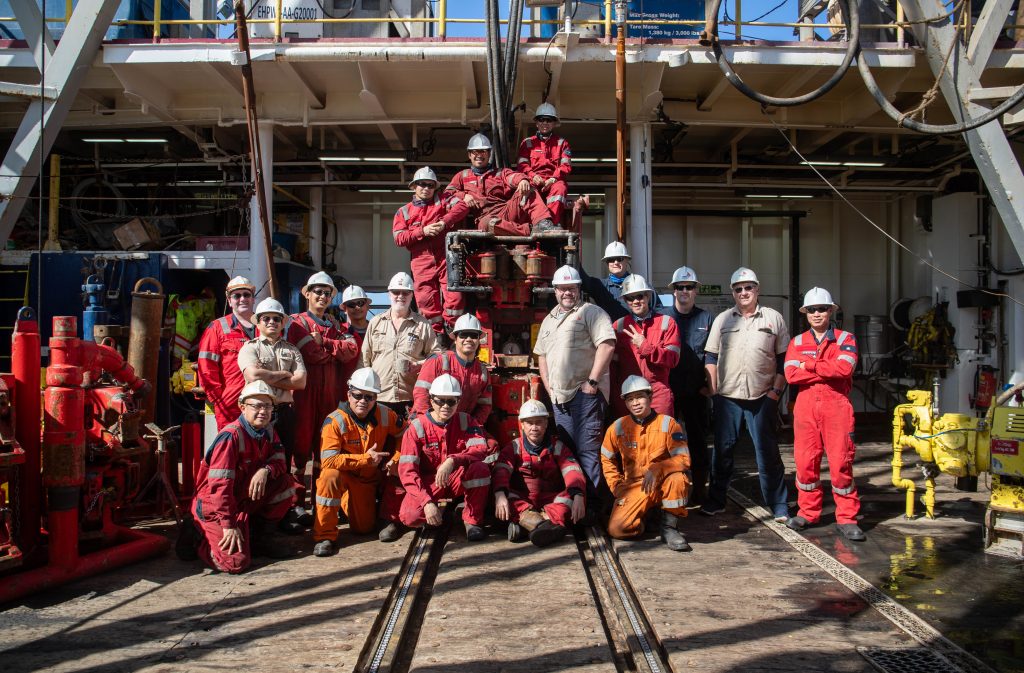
[[425, 445], [427, 257], [546, 481], [222, 490], [217, 368], [549, 158], [653, 360], [497, 191], [322, 392], [347, 368], [822, 375], [473, 377]]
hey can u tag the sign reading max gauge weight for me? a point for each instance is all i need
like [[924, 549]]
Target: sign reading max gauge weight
[[665, 10]]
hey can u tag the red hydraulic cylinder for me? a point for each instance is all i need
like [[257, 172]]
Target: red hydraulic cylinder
[[191, 453], [25, 365]]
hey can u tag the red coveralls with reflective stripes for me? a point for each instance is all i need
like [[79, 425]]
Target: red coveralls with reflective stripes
[[222, 490], [628, 451], [427, 257], [323, 390], [546, 481], [425, 445], [549, 158], [348, 478], [822, 374], [497, 191], [473, 377], [217, 368], [347, 368], [653, 360]]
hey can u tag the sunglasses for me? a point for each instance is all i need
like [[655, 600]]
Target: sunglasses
[[548, 120], [362, 397], [684, 287], [260, 406], [616, 260], [271, 318], [423, 184], [321, 292], [401, 293], [478, 152], [444, 401], [634, 297], [467, 335], [241, 295], [818, 309], [744, 288], [358, 303]]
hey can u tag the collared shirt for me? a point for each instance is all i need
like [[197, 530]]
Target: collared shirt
[[569, 344], [277, 356], [746, 348], [388, 350], [688, 376]]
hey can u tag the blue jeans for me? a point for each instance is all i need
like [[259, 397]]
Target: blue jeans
[[580, 421], [760, 417]]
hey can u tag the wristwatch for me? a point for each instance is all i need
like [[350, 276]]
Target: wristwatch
[[592, 382], [777, 391]]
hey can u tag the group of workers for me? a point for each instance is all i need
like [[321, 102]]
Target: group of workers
[[401, 417]]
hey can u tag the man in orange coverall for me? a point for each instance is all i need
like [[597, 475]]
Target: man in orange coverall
[[357, 441], [538, 485], [462, 363], [242, 490], [217, 368], [819, 365], [545, 158], [647, 345], [645, 460]]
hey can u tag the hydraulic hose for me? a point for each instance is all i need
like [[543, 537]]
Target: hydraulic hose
[[851, 16]]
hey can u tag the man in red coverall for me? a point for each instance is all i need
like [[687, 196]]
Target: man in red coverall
[[538, 485], [243, 488], [462, 363], [217, 368], [443, 456], [420, 226], [500, 201], [819, 365], [355, 304], [647, 345], [547, 161]]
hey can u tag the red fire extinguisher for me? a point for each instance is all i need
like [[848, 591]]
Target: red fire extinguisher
[[984, 387]]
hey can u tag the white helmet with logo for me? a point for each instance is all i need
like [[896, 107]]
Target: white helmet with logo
[[239, 283], [446, 385], [320, 278], [353, 292], [467, 322], [400, 281], [817, 296], [532, 409], [566, 275], [424, 174], [683, 274], [743, 275], [478, 142], [635, 284], [546, 110], [269, 305], [365, 379], [615, 249], [254, 389], [635, 384]]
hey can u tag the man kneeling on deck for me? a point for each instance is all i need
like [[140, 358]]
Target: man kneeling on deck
[[645, 459], [243, 489], [356, 443], [538, 485]]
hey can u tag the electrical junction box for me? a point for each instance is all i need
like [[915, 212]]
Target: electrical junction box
[[1007, 443]]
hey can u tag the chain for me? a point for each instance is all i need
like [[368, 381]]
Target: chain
[[182, 216], [99, 494]]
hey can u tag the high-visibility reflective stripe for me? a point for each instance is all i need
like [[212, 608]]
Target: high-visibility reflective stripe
[[523, 160], [282, 496], [446, 364], [423, 384], [555, 199], [842, 337], [571, 468], [791, 363], [303, 341], [673, 504], [529, 144], [674, 349], [557, 451], [328, 453], [394, 234], [618, 324], [464, 420], [664, 322], [564, 160], [418, 428], [844, 491], [328, 502], [340, 418], [848, 358], [665, 421], [405, 212], [476, 483], [221, 474], [225, 325], [606, 453], [618, 428], [207, 355], [799, 339], [813, 486], [453, 312], [408, 459], [484, 400], [435, 319], [490, 458], [476, 441], [680, 451], [276, 456], [562, 500], [503, 466]]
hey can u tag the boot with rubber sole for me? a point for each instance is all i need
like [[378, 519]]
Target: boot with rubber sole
[[674, 540], [547, 533], [390, 532]]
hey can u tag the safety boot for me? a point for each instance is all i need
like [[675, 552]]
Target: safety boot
[[674, 540], [324, 548], [187, 545], [265, 542], [852, 532], [516, 533], [546, 225], [390, 532], [547, 533], [292, 523], [796, 522], [530, 519], [474, 533]]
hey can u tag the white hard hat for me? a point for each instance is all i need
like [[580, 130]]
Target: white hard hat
[[546, 110], [479, 142], [254, 388], [467, 322], [365, 379], [400, 281], [532, 409], [425, 173], [320, 278], [239, 283], [616, 249], [353, 292], [817, 296], [566, 275], [269, 305], [635, 284], [683, 274], [634, 384], [446, 385], [743, 275]]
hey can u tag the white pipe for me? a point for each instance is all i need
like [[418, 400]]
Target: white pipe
[[259, 265], [641, 199]]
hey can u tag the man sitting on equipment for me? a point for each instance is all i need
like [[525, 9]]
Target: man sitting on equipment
[[546, 160]]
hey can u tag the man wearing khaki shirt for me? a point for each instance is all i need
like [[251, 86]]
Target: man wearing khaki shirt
[[743, 358], [396, 344], [574, 346]]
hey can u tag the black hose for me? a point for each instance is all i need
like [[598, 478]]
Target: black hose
[[495, 84], [851, 16]]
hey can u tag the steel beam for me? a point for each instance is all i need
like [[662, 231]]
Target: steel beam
[[43, 118], [37, 34]]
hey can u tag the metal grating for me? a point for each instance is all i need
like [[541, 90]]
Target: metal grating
[[907, 660]]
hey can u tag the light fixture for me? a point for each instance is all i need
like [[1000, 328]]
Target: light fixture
[[847, 164], [383, 191], [340, 159], [821, 163], [124, 140], [778, 196]]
